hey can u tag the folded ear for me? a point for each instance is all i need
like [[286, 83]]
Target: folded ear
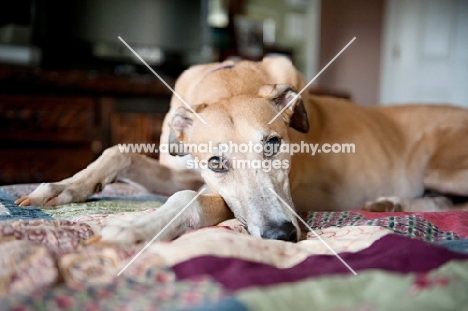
[[289, 102], [181, 126]]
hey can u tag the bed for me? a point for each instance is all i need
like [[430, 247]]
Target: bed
[[401, 261]]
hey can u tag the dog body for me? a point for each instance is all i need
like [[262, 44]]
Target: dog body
[[399, 152]]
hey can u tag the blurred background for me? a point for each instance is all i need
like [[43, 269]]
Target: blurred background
[[69, 88]]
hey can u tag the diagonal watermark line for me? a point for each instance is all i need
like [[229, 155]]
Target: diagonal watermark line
[[160, 232], [164, 82], [315, 233], [311, 81]]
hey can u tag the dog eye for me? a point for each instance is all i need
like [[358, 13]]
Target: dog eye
[[272, 146], [217, 165]]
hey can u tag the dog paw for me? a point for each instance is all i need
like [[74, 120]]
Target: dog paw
[[138, 230], [120, 233], [443, 204], [384, 204], [52, 194]]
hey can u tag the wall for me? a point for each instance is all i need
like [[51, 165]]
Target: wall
[[357, 70]]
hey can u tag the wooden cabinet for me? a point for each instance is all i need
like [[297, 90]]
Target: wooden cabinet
[[46, 118], [45, 138], [33, 164], [52, 128]]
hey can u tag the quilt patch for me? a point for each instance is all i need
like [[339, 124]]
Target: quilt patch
[[414, 226]]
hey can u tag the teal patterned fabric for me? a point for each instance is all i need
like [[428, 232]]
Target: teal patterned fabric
[[11, 211], [115, 198]]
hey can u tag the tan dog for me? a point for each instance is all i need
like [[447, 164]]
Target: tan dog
[[399, 152]]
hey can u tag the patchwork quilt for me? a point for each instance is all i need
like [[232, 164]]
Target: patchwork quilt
[[351, 260]]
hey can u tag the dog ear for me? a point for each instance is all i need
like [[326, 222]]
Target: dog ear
[[284, 95], [181, 125]]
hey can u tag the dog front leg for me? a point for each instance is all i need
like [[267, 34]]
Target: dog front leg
[[83, 184], [183, 211], [111, 166]]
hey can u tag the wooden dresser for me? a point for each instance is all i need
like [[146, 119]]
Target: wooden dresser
[[54, 123]]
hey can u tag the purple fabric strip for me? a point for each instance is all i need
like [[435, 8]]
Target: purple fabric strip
[[392, 253]]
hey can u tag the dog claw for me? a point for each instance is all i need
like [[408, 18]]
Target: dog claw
[[18, 201], [24, 201]]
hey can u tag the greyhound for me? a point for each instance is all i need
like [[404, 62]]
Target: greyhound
[[400, 151]]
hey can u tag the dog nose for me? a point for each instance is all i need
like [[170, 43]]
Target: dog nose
[[285, 232]]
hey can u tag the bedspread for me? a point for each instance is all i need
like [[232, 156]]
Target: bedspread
[[386, 261]]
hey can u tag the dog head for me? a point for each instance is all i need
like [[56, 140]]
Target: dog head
[[240, 153]]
